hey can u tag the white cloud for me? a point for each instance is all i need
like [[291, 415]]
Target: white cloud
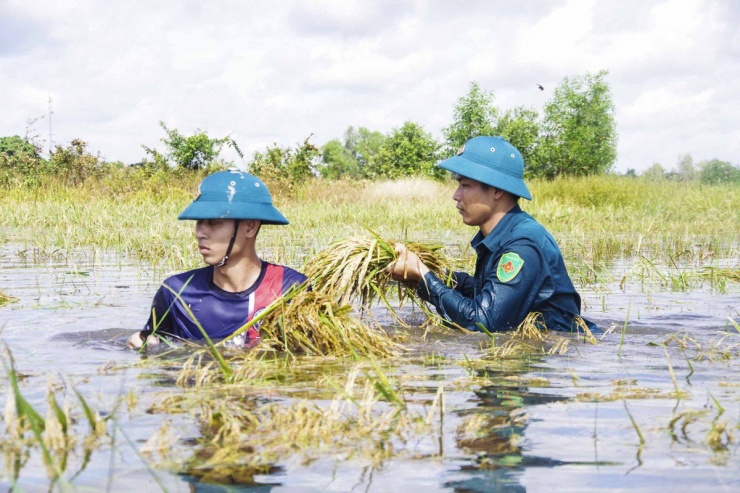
[[275, 72]]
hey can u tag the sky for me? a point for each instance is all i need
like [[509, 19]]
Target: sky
[[277, 72]]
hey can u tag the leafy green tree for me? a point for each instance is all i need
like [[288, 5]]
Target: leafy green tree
[[20, 158], [656, 172], [407, 151], [194, 152], [364, 145], [579, 134], [337, 161], [521, 128], [716, 171], [475, 114], [16, 147], [286, 165], [355, 158]]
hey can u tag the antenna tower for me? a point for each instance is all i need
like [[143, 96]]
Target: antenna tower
[[51, 142]]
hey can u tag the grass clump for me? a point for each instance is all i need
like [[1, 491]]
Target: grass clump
[[243, 437], [56, 437], [532, 337], [6, 298]]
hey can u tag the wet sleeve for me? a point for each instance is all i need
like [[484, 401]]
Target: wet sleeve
[[499, 305], [464, 283], [159, 314]]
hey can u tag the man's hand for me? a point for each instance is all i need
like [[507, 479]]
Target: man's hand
[[135, 341], [407, 267]]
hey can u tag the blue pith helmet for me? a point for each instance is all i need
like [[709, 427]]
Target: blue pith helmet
[[490, 160], [233, 194]]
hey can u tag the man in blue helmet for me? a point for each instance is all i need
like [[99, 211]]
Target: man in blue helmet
[[236, 284], [519, 268]]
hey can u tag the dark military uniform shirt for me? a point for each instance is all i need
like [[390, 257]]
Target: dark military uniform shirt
[[519, 270], [220, 313]]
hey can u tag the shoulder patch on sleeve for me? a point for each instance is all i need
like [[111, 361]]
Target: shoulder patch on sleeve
[[509, 266]]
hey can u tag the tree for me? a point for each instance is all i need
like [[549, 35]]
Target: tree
[[197, 151], [407, 151], [521, 128], [685, 169], [283, 164], [579, 134], [475, 114], [355, 157], [337, 161], [656, 172], [74, 163], [716, 171], [16, 147], [364, 145], [20, 157]]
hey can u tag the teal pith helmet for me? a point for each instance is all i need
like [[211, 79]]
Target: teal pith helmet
[[233, 194], [490, 160]]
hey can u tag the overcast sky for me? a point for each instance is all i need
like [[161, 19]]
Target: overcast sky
[[277, 71]]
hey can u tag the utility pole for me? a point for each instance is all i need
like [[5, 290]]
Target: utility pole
[[51, 142]]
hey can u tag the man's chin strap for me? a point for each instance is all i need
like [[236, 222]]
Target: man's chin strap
[[231, 245]]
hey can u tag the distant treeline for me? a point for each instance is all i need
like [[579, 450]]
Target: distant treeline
[[574, 135]]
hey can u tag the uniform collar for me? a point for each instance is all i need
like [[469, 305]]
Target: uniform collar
[[494, 238]]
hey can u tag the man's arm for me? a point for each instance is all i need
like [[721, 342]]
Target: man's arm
[[463, 283], [504, 299], [158, 322]]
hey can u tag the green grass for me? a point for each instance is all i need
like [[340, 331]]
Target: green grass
[[594, 219]]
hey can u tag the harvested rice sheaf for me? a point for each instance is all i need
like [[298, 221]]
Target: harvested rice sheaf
[[355, 269], [313, 322]]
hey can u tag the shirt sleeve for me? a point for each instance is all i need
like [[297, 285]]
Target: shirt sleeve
[[160, 318], [464, 283], [499, 305]]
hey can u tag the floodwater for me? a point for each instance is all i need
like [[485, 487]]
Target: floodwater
[[571, 422]]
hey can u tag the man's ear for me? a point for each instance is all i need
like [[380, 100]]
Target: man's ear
[[251, 227]]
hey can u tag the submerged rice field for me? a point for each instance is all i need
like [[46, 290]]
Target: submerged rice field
[[651, 402]]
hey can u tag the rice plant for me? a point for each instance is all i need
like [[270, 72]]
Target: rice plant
[[311, 322], [55, 436]]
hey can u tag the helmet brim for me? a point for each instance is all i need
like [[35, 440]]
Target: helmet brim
[[204, 209], [484, 174]]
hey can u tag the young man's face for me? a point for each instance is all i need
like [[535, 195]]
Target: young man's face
[[475, 201], [213, 237]]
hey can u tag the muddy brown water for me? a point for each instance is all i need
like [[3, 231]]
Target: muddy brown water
[[75, 311]]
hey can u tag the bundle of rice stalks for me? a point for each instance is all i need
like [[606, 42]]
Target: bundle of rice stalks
[[312, 322], [355, 269]]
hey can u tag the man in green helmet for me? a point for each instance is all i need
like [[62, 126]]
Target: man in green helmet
[[519, 269], [236, 285]]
